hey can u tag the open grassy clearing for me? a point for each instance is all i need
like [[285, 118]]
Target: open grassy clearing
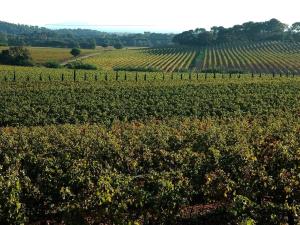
[[42, 55]]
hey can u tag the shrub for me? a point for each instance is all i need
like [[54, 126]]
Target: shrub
[[18, 56], [118, 46], [104, 45], [75, 52], [52, 64]]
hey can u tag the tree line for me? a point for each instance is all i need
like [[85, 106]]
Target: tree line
[[20, 35], [272, 30]]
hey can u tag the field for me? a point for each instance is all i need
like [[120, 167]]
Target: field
[[154, 136], [264, 57], [42, 55], [245, 57], [159, 59], [91, 147]]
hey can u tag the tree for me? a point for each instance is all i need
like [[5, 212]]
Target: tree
[[87, 44], [273, 30], [250, 31], [75, 52], [16, 56], [204, 38], [118, 45], [185, 38], [104, 45], [215, 31], [295, 27], [3, 39]]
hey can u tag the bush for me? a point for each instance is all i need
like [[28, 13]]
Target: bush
[[104, 45], [82, 66], [52, 64], [75, 52], [118, 46], [18, 56]]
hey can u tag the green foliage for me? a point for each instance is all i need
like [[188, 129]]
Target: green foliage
[[93, 102], [19, 56], [260, 31], [141, 152], [17, 34], [104, 45], [133, 68], [52, 64], [118, 46], [242, 57], [75, 52], [133, 172], [80, 65], [153, 59]]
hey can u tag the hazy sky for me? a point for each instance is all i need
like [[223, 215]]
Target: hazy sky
[[148, 15]]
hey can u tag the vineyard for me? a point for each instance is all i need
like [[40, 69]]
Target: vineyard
[[259, 57], [154, 137], [41, 103], [165, 59], [265, 57], [92, 147], [110, 115]]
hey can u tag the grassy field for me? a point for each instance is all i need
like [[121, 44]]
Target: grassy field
[[41, 55]]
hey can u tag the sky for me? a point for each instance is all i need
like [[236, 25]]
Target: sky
[[147, 15]]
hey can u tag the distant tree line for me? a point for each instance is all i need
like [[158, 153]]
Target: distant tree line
[[20, 35], [272, 30]]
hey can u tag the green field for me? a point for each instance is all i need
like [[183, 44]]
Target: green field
[[244, 57], [40, 103], [168, 60], [42, 55], [142, 148], [154, 136], [262, 57]]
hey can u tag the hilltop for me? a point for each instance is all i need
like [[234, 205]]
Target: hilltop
[[17, 34]]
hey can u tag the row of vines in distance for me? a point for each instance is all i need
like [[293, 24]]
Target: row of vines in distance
[[264, 57], [160, 59]]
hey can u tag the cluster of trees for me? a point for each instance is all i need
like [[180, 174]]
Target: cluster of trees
[[19, 56], [272, 30], [20, 35]]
